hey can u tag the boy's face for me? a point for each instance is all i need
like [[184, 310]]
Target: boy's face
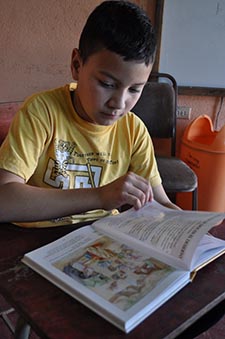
[[107, 86]]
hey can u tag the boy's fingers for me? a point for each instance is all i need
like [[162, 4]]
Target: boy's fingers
[[130, 189], [139, 190]]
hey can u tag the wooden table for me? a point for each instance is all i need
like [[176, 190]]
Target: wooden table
[[53, 314]]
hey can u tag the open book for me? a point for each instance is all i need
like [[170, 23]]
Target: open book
[[126, 266]]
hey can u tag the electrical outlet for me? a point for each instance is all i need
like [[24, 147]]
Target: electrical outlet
[[183, 112]]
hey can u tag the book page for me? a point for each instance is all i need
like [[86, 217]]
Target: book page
[[208, 248], [172, 232], [106, 274], [113, 270]]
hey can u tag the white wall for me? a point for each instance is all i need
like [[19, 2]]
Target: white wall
[[193, 42]]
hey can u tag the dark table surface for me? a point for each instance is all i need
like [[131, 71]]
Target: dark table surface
[[54, 314]]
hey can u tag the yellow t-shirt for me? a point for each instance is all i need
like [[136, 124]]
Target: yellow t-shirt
[[49, 145]]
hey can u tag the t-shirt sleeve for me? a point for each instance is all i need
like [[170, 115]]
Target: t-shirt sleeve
[[24, 143]]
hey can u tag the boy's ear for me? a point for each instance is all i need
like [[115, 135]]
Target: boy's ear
[[75, 63]]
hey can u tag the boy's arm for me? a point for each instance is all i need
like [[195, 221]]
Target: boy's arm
[[22, 202], [161, 197]]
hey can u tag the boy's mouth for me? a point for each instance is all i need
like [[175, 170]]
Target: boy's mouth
[[112, 114]]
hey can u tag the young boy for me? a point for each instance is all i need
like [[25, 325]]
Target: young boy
[[78, 148]]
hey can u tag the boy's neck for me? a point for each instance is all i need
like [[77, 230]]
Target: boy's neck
[[78, 107]]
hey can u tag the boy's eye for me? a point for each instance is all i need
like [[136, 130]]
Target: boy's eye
[[106, 84], [135, 90], [112, 85]]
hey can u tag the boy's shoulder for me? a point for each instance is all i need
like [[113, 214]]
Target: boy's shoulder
[[134, 119], [132, 125], [48, 95]]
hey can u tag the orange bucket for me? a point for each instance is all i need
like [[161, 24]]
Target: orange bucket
[[203, 149]]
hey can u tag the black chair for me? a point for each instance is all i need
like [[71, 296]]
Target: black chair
[[157, 107]]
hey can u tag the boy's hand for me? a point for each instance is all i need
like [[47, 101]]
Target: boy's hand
[[129, 189]]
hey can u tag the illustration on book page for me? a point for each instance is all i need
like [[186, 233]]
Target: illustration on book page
[[114, 271]]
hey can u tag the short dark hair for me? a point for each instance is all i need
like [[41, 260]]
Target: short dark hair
[[121, 27]]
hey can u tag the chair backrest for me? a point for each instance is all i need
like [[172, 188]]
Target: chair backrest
[[157, 107]]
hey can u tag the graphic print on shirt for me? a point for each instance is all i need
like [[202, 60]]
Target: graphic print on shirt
[[67, 171]]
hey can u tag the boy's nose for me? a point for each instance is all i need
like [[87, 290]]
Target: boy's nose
[[117, 101]]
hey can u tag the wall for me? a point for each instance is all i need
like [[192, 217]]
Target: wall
[[192, 52], [37, 38], [191, 39]]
